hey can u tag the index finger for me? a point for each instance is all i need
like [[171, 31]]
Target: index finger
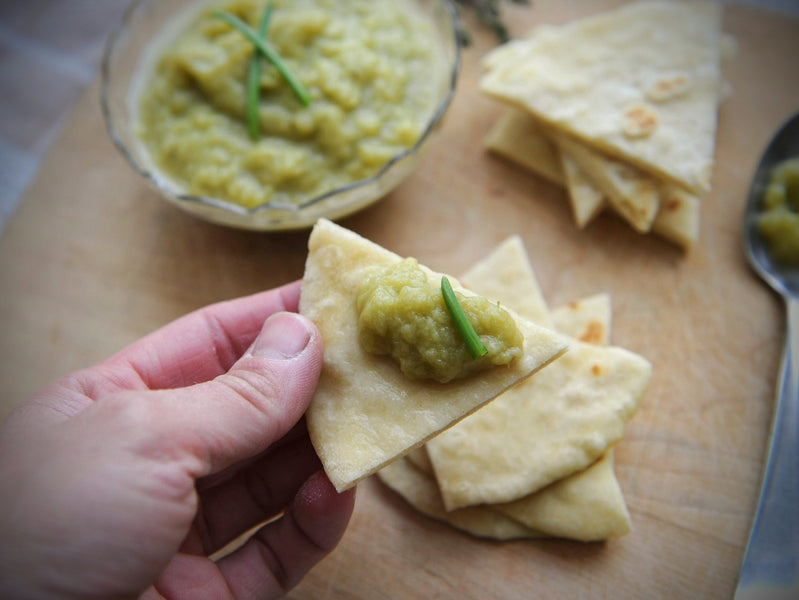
[[192, 349], [204, 344]]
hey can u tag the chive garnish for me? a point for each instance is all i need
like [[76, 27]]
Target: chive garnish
[[267, 51], [462, 324], [254, 76]]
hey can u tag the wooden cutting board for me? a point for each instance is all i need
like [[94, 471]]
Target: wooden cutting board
[[93, 259]]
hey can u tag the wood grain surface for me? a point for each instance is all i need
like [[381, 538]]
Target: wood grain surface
[[93, 259]]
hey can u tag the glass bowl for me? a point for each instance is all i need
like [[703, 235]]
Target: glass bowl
[[123, 57]]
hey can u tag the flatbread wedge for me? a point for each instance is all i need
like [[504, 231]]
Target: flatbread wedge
[[365, 413], [632, 193], [544, 429], [586, 506], [518, 138], [588, 320], [678, 217], [556, 424], [586, 200], [513, 281], [641, 83], [418, 487]]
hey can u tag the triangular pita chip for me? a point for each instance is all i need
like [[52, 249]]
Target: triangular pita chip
[[678, 210], [678, 217], [542, 430], [365, 412], [418, 487], [641, 82], [632, 193], [513, 281], [517, 137], [585, 506], [587, 201], [588, 320]]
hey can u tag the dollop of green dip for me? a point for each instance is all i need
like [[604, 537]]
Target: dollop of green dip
[[372, 69], [779, 221], [401, 315]]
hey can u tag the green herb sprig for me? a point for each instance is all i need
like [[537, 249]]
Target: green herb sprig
[[471, 339], [254, 76], [268, 52]]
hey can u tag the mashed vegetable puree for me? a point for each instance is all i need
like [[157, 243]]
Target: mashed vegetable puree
[[371, 69], [401, 315], [779, 222]]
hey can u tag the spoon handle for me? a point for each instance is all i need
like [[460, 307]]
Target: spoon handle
[[770, 566]]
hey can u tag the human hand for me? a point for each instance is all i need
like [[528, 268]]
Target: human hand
[[120, 480]]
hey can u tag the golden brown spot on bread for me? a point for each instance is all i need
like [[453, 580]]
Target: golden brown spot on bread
[[594, 333], [596, 370], [668, 87], [673, 204], [639, 121]]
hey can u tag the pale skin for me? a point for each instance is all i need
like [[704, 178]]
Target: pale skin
[[121, 480]]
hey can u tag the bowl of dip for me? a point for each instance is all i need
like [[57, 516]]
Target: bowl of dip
[[330, 126]]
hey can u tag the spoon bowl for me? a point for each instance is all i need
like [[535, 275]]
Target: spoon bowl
[[785, 144], [770, 567]]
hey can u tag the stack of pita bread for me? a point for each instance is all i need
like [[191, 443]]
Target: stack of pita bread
[[538, 460], [522, 450], [365, 413], [620, 108]]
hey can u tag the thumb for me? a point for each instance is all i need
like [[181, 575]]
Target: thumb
[[265, 393]]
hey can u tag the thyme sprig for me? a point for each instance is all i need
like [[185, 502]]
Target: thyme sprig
[[489, 14]]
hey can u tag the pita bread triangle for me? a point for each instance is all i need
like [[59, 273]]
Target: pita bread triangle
[[517, 137], [365, 413], [632, 194], [587, 505], [418, 487], [641, 83], [544, 429]]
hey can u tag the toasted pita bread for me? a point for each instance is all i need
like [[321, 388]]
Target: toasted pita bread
[[632, 193], [517, 137], [641, 83], [512, 279], [586, 199], [585, 506], [560, 422], [678, 217], [547, 428], [419, 489], [365, 412], [588, 320]]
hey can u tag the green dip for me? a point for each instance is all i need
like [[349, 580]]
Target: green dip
[[779, 222], [401, 315], [371, 67]]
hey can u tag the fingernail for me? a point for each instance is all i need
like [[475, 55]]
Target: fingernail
[[284, 336]]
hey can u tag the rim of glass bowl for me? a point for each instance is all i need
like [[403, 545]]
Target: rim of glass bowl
[[453, 67]]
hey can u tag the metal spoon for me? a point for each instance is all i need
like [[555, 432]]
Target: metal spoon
[[771, 565]]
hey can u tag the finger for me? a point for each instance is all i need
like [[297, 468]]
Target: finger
[[300, 430], [254, 494], [210, 426], [279, 555], [205, 343], [194, 348]]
